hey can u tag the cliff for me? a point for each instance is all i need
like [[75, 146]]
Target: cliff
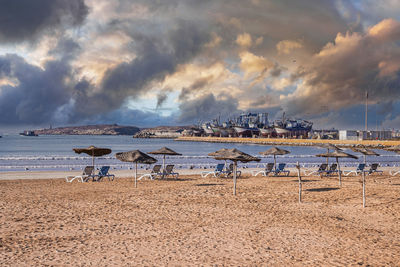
[[103, 129]]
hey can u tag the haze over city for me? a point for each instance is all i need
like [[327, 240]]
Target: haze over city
[[172, 62]]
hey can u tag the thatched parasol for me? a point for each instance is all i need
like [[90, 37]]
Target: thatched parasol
[[337, 154], [275, 151], [365, 151], [234, 155], [328, 147], [165, 151], [135, 156], [93, 151]]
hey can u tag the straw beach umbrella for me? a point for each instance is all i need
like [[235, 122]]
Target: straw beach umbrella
[[135, 156], [275, 151], [329, 146], [165, 151], [337, 154], [365, 151], [93, 151], [234, 155]]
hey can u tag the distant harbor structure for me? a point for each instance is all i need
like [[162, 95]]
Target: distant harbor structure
[[258, 125]]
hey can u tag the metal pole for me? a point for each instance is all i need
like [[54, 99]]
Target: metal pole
[[234, 176], [299, 176], [366, 112], [136, 175], [340, 173], [364, 200]]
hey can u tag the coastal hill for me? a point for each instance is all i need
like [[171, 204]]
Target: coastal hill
[[102, 129]]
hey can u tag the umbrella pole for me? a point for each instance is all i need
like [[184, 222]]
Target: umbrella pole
[[365, 159], [364, 200], [163, 165], [327, 158], [274, 162], [340, 173], [234, 176], [136, 175], [299, 176]]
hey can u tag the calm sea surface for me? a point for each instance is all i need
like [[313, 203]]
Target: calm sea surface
[[55, 152]]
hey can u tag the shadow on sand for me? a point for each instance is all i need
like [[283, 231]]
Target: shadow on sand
[[322, 189], [208, 184]]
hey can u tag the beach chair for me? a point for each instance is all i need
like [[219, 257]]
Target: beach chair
[[322, 168], [332, 169], [229, 171], [169, 171], [359, 170], [84, 177], [217, 172], [156, 171], [281, 169], [268, 169], [373, 169], [393, 173], [103, 172]]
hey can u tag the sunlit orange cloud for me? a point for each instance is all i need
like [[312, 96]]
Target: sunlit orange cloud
[[102, 53]]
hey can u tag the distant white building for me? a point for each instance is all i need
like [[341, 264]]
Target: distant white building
[[364, 135]]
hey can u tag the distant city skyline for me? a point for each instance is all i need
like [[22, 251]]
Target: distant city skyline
[[175, 62]]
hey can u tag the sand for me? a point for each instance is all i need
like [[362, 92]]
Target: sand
[[198, 222]]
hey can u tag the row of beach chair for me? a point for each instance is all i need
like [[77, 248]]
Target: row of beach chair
[[88, 174], [157, 172], [219, 171], [270, 170]]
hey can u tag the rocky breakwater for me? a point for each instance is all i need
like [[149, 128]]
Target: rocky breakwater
[[103, 129]]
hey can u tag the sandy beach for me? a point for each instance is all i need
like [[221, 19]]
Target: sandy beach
[[197, 221]]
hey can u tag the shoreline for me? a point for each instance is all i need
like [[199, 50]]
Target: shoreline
[[290, 142]]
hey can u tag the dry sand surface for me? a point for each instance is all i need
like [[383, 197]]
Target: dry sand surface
[[196, 221]]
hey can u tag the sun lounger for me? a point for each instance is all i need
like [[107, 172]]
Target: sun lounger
[[217, 172], [229, 171], [169, 171], [156, 171], [322, 168], [268, 169], [393, 173], [103, 172], [357, 171], [84, 177], [332, 169], [281, 169], [373, 169]]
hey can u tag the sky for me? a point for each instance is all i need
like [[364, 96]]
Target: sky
[[181, 62]]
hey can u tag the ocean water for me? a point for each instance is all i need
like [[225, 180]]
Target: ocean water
[[19, 153]]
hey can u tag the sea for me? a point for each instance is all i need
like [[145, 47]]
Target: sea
[[54, 153]]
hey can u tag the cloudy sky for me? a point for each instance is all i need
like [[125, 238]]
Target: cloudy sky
[[176, 62]]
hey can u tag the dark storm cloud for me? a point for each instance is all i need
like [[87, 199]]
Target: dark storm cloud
[[207, 107], [156, 59], [195, 87], [38, 93], [161, 98], [23, 20]]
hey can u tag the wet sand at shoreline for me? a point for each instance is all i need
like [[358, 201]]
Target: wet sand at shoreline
[[197, 221]]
